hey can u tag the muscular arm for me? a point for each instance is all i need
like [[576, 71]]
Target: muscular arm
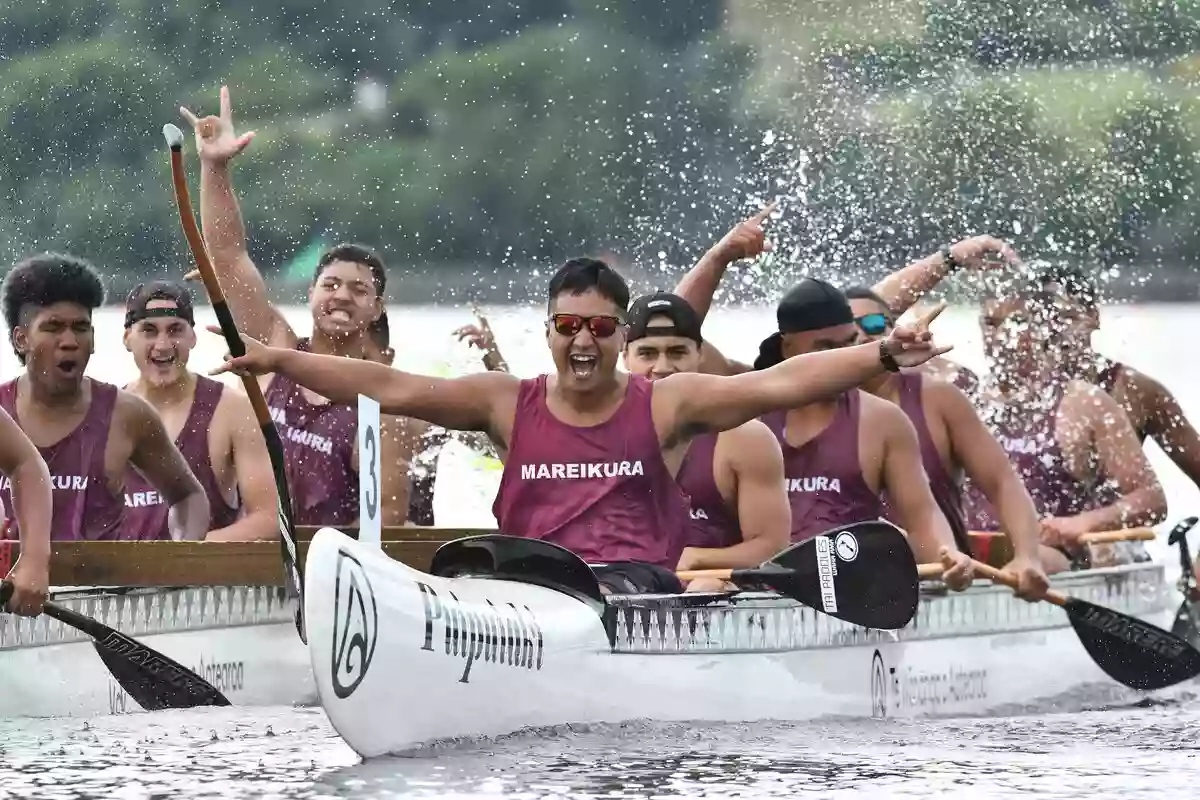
[[988, 467], [32, 496], [255, 479], [225, 236], [398, 448], [763, 513], [907, 487], [1169, 427], [468, 403], [906, 286], [699, 285], [159, 460], [1121, 459], [692, 402], [714, 362]]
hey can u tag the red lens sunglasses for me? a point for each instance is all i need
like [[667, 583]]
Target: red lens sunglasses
[[601, 327]]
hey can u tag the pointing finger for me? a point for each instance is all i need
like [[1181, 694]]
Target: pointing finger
[[767, 211], [194, 275], [226, 105], [192, 119]]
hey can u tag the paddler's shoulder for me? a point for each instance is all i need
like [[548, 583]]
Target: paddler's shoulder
[[1085, 399], [129, 409], [1130, 381]]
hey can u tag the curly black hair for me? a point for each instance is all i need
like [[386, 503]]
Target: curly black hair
[[45, 279]]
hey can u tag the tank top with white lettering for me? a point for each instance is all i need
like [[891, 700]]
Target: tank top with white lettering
[[713, 523], [1029, 440], [318, 447], [145, 508], [825, 484], [84, 508], [603, 492]]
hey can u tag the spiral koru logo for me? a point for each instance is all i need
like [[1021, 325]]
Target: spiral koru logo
[[355, 625], [878, 687]]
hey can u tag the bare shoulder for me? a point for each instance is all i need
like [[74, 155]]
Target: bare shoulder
[[943, 395], [1141, 385], [752, 435], [130, 410]]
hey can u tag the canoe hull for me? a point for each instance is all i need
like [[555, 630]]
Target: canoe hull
[[240, 639], [401, 658]]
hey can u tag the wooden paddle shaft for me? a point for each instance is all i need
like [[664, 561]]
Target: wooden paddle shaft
[[933, 571], [1099, 537]]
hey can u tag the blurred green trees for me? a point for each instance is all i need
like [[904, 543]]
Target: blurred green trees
[[531, 130]]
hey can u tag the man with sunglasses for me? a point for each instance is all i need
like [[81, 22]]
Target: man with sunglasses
[[733, 479], [591, 453], [953, 441]]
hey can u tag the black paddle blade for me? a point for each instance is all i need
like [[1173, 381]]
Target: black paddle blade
[[154, 681], [863, 573], [1187, 623], [518, 559], [1130, 651]]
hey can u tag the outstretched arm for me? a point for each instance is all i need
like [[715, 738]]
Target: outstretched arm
[[687, 403], [33, 506], [906, 286], [468, 403], [225, 232], [159, 460]]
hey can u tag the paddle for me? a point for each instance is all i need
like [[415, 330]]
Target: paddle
[[863, 573], [1187, 617], [293, 576], [154, 681], [1132, 652]]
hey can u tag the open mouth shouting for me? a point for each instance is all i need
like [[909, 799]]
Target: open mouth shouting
[[583, 365]]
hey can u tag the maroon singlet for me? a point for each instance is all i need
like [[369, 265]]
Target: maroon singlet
[[713, 523], [1107, 380], [603, 492], [967, 381], [318, 447], [946, 490], [84, 508], [1030, 441], [825, 484], [145, 509]]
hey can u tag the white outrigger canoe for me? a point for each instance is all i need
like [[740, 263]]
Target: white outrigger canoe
[[402, 658], [241, 639]]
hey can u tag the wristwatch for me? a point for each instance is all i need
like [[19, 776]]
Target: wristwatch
[[885, 358], [950, 264]]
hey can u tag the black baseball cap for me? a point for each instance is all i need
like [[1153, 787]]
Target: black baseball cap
[[810, 305], [684, 320], [140, 297]]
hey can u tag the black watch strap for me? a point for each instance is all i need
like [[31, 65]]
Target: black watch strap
[[885, 358]]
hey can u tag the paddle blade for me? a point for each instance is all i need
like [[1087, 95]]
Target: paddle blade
[[1187, 623], [863, 573], [1130, 651], [154, 681]]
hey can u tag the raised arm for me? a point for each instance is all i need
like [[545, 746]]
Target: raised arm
[[159, 460], [225, 232], [480, 402], [1169, 427], [907, 489], [746, 240], [1122, 460], [255, 479], [33, 507], [906, 286]]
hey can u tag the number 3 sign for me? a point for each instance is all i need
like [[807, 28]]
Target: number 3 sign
[[368, 471]]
